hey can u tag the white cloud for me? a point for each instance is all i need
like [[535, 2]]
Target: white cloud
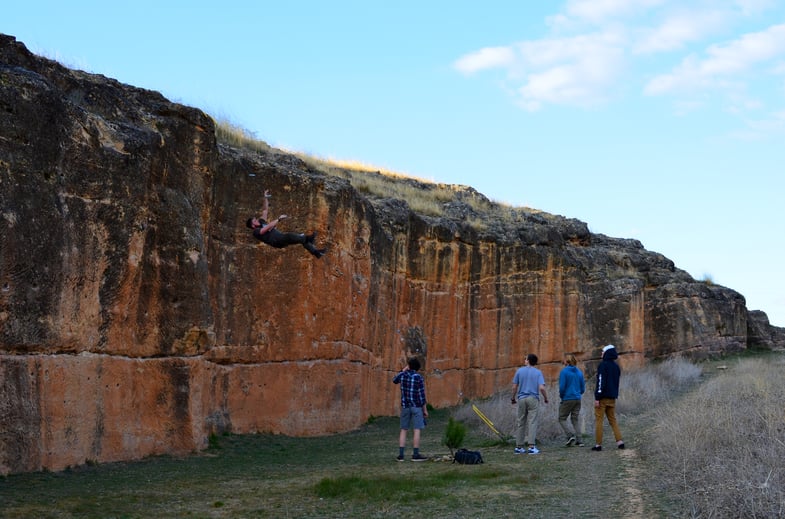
[[598, 11], [750, 7], [684, 75], [746, 51], [722, 62], [575, 71], [778, 68], [771, 126], [678, 30], [487, 58], [593, 42], [685, 107], [774, 123]]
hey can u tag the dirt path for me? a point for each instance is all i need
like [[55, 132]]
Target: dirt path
[[576, 482], [631, 483], [611, 483]]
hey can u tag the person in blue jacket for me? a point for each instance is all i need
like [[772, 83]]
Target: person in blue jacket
[[571, 388], [605, 394]]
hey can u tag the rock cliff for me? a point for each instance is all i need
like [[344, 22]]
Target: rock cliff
[[138, 315]]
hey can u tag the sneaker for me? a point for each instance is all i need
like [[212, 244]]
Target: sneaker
[[399, 458], [580, 444], [571, 441], [620, 445], [520, 450], [533, 450], [419, 457], [597, 448]]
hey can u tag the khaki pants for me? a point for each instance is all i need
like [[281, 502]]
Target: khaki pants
[[570, 409], [607, 408], [528, 419]]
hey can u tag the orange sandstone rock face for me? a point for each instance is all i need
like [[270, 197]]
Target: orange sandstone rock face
[[138, 316]]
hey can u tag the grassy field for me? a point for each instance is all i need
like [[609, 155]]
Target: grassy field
[[356, 475], [350, 475]]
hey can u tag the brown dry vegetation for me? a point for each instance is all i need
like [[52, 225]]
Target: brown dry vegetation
[[720, 449], [712, 440], [236, 136], [639, 390], [423, 196]]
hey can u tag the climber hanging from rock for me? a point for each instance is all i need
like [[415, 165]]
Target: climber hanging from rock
[[266, 232]]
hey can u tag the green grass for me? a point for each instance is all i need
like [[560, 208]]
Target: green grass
[[356, 475], [346, 475], [420, 487], [269, 476]]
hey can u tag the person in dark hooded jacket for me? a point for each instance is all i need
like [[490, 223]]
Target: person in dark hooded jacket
[[605, 394]]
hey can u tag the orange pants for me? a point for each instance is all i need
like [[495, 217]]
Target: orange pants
[[607, 408]]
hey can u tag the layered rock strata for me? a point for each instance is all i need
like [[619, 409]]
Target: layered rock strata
[[138, 316]]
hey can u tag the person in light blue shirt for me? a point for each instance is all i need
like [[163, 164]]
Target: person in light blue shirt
[[572, 385], [527, 386]]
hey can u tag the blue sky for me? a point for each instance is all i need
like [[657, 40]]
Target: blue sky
[[659, 120]]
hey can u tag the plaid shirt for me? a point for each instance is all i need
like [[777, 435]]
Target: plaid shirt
[[412, 388]]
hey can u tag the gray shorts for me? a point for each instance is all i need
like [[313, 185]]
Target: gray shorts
[[412, 414]]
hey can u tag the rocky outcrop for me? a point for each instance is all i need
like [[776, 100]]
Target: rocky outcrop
[[138, 316], [761, 334]]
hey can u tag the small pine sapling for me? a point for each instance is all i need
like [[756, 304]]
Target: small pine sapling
[[454, 435]]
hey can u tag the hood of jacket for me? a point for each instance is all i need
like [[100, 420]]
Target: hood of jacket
[[610, 354]]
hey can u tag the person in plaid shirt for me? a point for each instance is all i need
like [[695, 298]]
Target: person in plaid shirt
[[414, 409]]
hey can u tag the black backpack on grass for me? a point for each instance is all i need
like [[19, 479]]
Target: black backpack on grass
[[467, 457]]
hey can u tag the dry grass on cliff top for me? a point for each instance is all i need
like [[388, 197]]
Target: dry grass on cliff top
[[423, 196], [698, 445]]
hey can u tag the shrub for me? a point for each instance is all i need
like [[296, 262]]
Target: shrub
[[454, 435]]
